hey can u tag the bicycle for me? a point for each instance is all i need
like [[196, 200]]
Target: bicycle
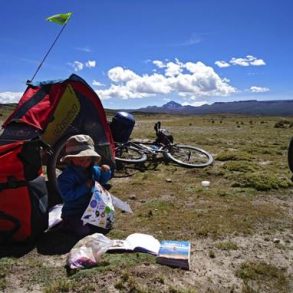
[[136, 152]]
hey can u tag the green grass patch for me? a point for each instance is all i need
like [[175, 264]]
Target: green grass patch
[[261, 182], [226, 245], [234, 156], [5, 268], [60, 285], [113, 262], [261, 273], [240, 166]]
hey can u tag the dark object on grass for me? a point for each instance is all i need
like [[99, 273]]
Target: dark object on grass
[[56, 241]]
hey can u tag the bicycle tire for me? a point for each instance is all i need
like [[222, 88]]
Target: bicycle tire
[[290, 155], [132, 155], [53, 165], [189, 156]]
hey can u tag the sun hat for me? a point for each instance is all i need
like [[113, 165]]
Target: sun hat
[[80, 145]]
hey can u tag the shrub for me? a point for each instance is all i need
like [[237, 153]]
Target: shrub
[[234, 156], [239, 166], [283, 124], [262, 182]]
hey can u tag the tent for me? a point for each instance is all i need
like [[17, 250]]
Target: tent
[[55, 110]]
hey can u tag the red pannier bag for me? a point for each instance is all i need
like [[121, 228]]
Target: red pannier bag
[[23, 192]]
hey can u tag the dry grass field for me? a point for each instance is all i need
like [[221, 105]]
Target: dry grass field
[[240, 227]]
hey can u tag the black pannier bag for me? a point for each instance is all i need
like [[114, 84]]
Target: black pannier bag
[[23, 192], [163, 135], [121, 126]]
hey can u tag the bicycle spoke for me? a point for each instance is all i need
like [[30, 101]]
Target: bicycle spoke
[[129, 154], [186, 155], [189, 156]]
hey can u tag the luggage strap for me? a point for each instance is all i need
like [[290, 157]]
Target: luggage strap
[[12, 184], [5, 236]]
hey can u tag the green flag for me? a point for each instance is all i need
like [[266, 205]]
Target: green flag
[[60, 18]]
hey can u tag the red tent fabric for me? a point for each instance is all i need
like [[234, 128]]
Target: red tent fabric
[[59, 108]]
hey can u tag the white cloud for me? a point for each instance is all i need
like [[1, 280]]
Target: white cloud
[[122, 92], [118, 74], [173, 69], [10, 97], [222, 64], [258, 89], [150, 84], [258, 62], [159, 63], [84, 49], [185, 79], [90, 63], [194, 103], [97, 83], [78, 66], [249, 60]]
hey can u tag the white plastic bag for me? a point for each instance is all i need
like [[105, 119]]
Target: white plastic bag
[[88, 251], [100, 211]]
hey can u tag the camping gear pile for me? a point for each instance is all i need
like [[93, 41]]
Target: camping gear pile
[[47, 113]]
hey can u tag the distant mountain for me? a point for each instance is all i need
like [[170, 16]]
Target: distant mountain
[[172, 106], [251, 107]]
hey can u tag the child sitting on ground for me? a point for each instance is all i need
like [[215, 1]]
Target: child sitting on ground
[[76, 181]]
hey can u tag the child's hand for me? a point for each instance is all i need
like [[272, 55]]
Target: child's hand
[[105, 168]]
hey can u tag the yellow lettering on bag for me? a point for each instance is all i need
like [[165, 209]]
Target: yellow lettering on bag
[[65, 112]]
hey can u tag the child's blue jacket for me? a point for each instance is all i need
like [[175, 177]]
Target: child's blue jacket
[[74, 191]]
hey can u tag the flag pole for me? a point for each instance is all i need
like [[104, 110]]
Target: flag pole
[[48, 52]]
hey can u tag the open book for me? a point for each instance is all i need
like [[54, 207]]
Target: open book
[[174, 253], [136, 242]]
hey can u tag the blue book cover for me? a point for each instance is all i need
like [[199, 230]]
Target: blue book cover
[[174, 253]]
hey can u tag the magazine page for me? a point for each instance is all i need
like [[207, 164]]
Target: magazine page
[[136, 242], [120, 245], [144, 243]]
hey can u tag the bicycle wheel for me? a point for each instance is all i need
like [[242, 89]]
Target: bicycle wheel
[[129, 154], [290, 155], [189, 156], [54, 166]]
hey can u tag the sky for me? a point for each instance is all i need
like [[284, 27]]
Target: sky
[[137, 53]]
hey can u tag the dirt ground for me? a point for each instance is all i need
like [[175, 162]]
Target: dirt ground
[[212, 269], [240, 228]]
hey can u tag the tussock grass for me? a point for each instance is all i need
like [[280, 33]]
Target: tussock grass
[[263, 276], [226, 245], [240, 166], [262, 182], [6, 265]]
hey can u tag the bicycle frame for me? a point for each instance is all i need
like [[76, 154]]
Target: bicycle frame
[[147, 148]]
